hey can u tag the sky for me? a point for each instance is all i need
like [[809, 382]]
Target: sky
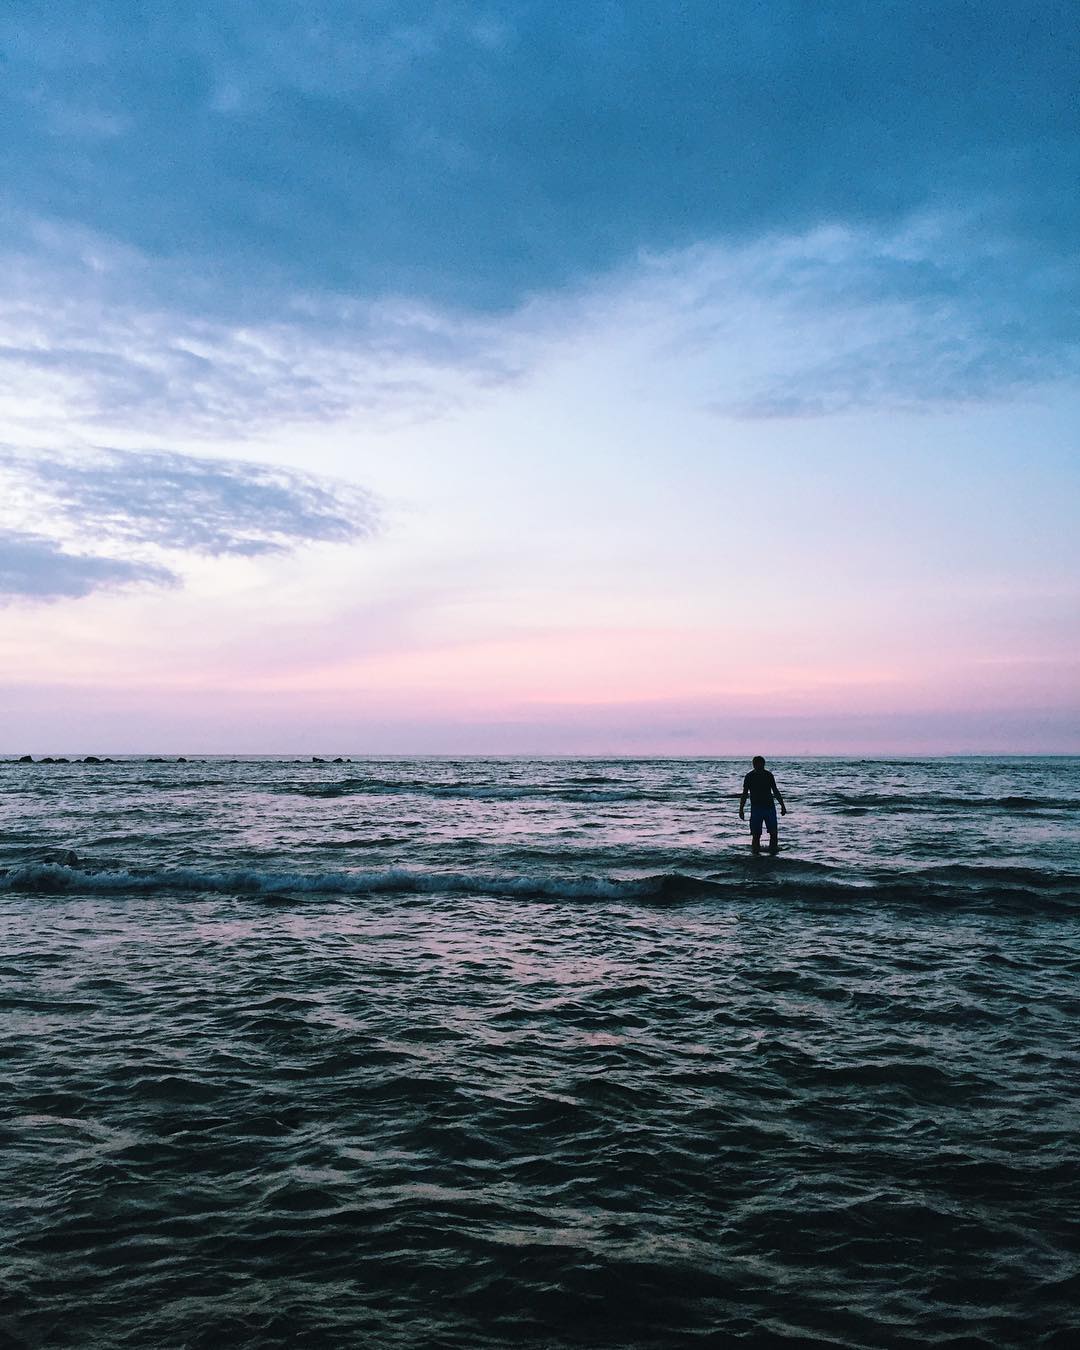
[[529, 378]]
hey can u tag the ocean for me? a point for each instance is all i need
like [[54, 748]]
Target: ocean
[[492, 1052]]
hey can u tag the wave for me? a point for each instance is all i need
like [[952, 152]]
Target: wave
[[52, 877], [986, 875], [745, 878], [932, 801], [578, 790]]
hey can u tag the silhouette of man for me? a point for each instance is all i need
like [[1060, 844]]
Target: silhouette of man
[[760, 786]]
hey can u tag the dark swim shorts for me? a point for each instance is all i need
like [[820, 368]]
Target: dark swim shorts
[[762, 815]]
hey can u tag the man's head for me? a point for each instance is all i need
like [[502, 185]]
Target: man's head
[[759, 761]]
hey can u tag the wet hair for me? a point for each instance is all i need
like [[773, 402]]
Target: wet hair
[[759, 761]]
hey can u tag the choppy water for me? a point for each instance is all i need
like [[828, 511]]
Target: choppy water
[[480, 1053]]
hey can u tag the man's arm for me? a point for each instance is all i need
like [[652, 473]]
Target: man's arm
[[779, 797], [742, 800]]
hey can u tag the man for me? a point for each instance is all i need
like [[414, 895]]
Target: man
[[760, 786]]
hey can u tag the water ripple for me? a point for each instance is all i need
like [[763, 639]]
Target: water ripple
[[601, 1095]]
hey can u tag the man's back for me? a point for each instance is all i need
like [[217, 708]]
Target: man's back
[[760, 784]]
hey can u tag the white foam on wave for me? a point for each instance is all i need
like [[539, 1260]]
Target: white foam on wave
[[807, 880], [55, 877]]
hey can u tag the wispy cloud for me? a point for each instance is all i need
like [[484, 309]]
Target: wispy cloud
[[792, 325], [94, 333], [33, 567], [209, 506], [135, 508], [921, 317], [843, 319]]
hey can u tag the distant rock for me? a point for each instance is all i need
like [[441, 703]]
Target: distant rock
[[156, 759], [26, 759], [46, 759], [339, 760], [61, 760], [316, 760], [91, 759], [180, 759]]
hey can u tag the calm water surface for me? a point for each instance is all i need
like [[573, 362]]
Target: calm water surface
[[484, 1053]]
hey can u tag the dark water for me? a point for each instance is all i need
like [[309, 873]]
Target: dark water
[[440, 1053]]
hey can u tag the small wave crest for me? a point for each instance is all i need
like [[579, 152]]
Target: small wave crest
[[863, 802], [54, 878], [987, 876], [587, 790]]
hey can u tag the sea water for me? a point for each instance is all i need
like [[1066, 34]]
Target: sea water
[[478, 1053]]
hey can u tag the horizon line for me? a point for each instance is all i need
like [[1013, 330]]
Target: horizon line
[[331, 757]]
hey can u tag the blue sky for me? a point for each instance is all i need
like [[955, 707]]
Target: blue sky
[[536, 377]]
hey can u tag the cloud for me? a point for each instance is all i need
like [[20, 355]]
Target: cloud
[[841, 318], [247, 215], [844, 319], [922, 317], [926, 315], [85, 337], [135, 507], [34, 567], [478, 153]]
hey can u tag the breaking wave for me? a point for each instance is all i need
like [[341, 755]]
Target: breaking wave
[[742, 878]]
